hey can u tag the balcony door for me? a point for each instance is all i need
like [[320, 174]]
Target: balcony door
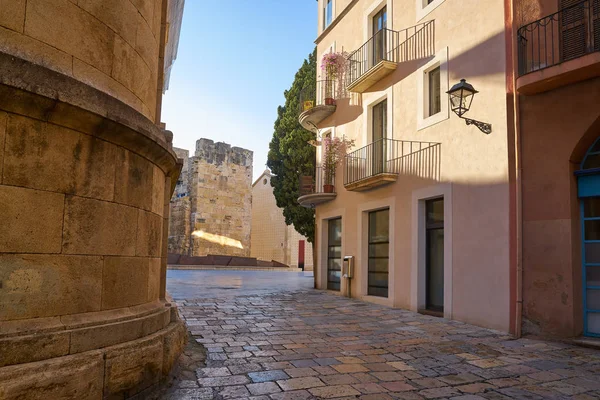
[[379, 144], [379, 36]]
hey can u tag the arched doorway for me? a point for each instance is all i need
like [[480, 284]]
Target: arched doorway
[[588, 182]]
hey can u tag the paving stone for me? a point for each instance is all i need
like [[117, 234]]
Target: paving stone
[[311, 340], [300, 383], [369, 388], [232, 392], [223, 381], [213, 372], [244, 368], [293, 395], [267, 376], [330, 392], [436, 393], [397, 386], [263, 388], [300, 372], [349, 368]]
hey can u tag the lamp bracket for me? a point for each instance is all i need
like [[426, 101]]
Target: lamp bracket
[[483, 126]]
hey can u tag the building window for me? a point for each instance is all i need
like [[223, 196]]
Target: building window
[[379, 257], [432, 101], [434, 91], [424, 7], [327, 13], [334, 254]]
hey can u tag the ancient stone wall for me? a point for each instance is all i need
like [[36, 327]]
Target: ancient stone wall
[[85, 183], [214, 202], [111, 45]]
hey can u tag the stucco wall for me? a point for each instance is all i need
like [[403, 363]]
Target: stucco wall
[[111, 45], [272, 239], [475, 164], [557, 127]]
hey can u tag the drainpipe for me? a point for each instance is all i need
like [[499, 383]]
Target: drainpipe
[[513, 123]]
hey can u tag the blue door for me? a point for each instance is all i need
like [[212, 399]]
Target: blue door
[[589, 194]]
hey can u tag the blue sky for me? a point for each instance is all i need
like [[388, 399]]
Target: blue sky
[[235, 60]]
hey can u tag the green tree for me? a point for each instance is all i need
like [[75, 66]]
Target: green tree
[[290, 155]]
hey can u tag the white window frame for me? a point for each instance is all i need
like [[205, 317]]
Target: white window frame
[[419, 265], [361, 270], [324, 16], [423, 9], [368, 116], [423, 121], [323, 249], [373, 9]]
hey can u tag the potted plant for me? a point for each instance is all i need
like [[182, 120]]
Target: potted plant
[[334, 151], [333, 65]]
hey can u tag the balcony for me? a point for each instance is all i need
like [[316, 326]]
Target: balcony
[[381, 162], [560, 49], [317, 103], [317, 189], [382, 53]]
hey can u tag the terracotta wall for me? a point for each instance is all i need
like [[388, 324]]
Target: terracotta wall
[[557, 127], [111, 45]]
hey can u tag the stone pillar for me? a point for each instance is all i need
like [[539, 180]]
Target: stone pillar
[[85, 178]]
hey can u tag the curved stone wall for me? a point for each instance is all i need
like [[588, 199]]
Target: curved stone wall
[[112, 45], [84, 185]]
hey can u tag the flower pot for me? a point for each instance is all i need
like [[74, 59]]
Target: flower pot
[[328, 188], [329, 101]]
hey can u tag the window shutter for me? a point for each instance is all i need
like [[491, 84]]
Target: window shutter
[[573, 29], [596, 24]]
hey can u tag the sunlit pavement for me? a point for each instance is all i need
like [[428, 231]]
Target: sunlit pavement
[[270, 336]]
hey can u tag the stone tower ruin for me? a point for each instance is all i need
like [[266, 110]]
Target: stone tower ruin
[[211, 208]]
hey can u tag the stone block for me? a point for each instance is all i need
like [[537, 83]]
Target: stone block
[[154, 279], [31, 348], [72, 377], [48, 157], [133, 367], [158, 192], [99, 227], [30, 326], [13, 14], [124, 282], [99, 80], [36, 286], [31, 220], [146, 9], [149, 234], [33, 50], [3, 119], [146, 44], [124, 63], [119, 15], [174, 341], [133, 182], [62, 24]]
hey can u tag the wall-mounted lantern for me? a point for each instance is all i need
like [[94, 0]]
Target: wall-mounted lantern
[[461, 97]]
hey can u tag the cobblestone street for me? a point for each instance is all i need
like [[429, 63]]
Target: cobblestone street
[[306, 344]]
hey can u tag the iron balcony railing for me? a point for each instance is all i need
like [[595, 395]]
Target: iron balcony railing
[[569, 33], [409, 44], [323, 93], [389, 156], [317, 183]]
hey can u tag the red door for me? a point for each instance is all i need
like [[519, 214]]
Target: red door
[[301, 254]]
